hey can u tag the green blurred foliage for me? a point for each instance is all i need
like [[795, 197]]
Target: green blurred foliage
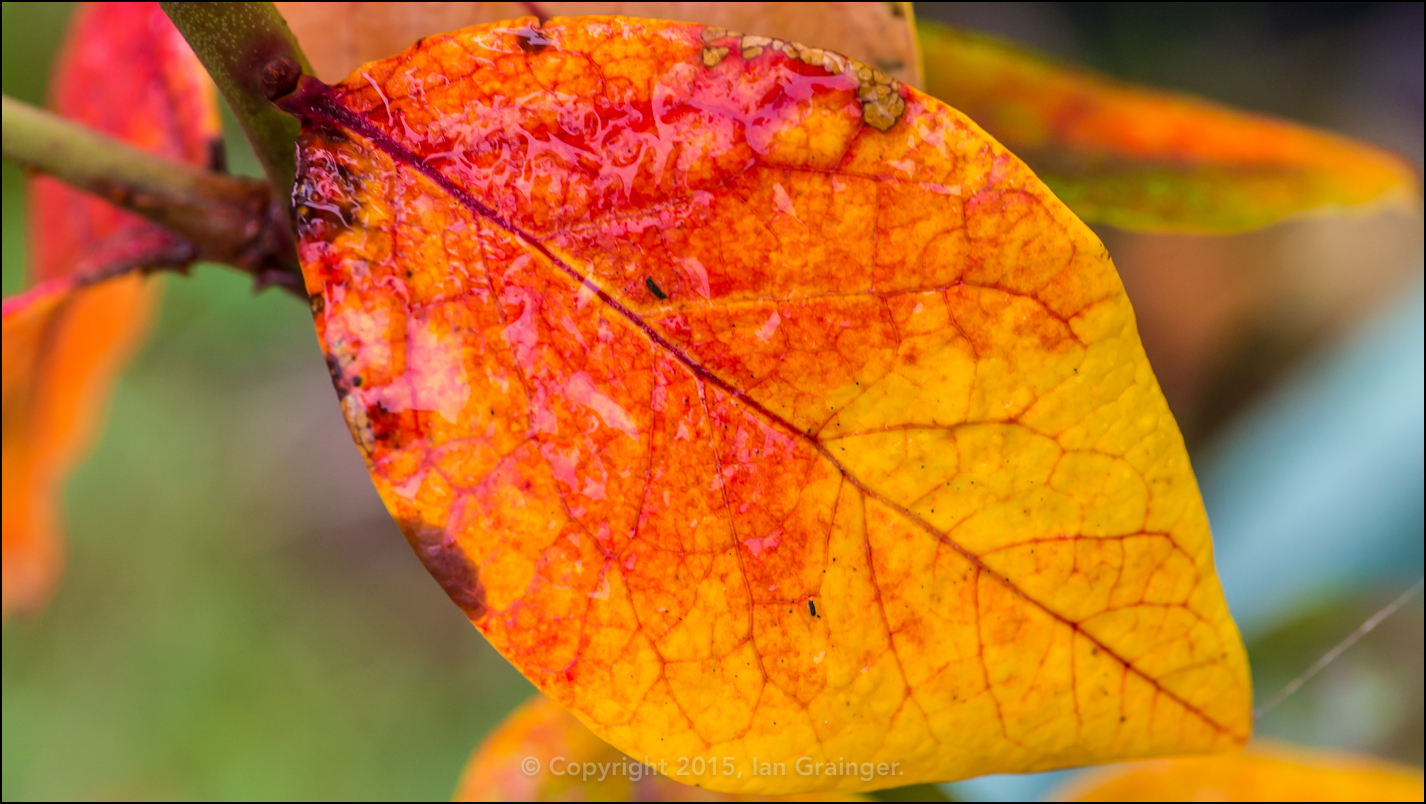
[[32, 33], [1370, 700]]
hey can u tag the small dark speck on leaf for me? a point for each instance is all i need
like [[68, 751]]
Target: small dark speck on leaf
[[654, 289]]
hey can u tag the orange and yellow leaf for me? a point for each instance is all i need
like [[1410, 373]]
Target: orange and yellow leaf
[[64, 348], [124, 70], [754, 404], [543, 753], [1263, 772], [1145, 159]]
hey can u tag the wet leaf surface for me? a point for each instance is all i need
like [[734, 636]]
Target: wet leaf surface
[[571, 764], [126, 71], [1145, 159], [1263, 772], [879, 472]]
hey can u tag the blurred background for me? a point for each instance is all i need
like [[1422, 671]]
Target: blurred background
[[241, 619]]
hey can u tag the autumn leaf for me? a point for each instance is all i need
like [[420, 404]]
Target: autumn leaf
[[339, 37], [1262, 772], [1145, 159], [754, 404], [124, 70], [63, 350], [543, 753]]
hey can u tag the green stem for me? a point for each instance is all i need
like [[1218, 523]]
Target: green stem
[[235, 42], [227, 219]]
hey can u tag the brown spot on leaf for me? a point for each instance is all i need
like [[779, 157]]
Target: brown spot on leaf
[[358, 423], [713, 56], [713, 33], [448, 564], [752, 45], [880, 94]]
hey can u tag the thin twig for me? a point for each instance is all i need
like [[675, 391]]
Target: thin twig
[[221, 212], [1328, 657], [223, 219]]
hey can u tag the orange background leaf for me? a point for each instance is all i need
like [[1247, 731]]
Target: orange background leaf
[[756, 405], [1262, 772], [338, 37], [126, 71], [548, 733], [1139, 158]]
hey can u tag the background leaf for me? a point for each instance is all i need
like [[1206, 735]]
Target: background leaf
[[163, 102], [338, 37], [547, 732], [1262, 772], [1145, 159]]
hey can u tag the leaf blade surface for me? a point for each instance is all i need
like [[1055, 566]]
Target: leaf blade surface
[[879, 472]]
